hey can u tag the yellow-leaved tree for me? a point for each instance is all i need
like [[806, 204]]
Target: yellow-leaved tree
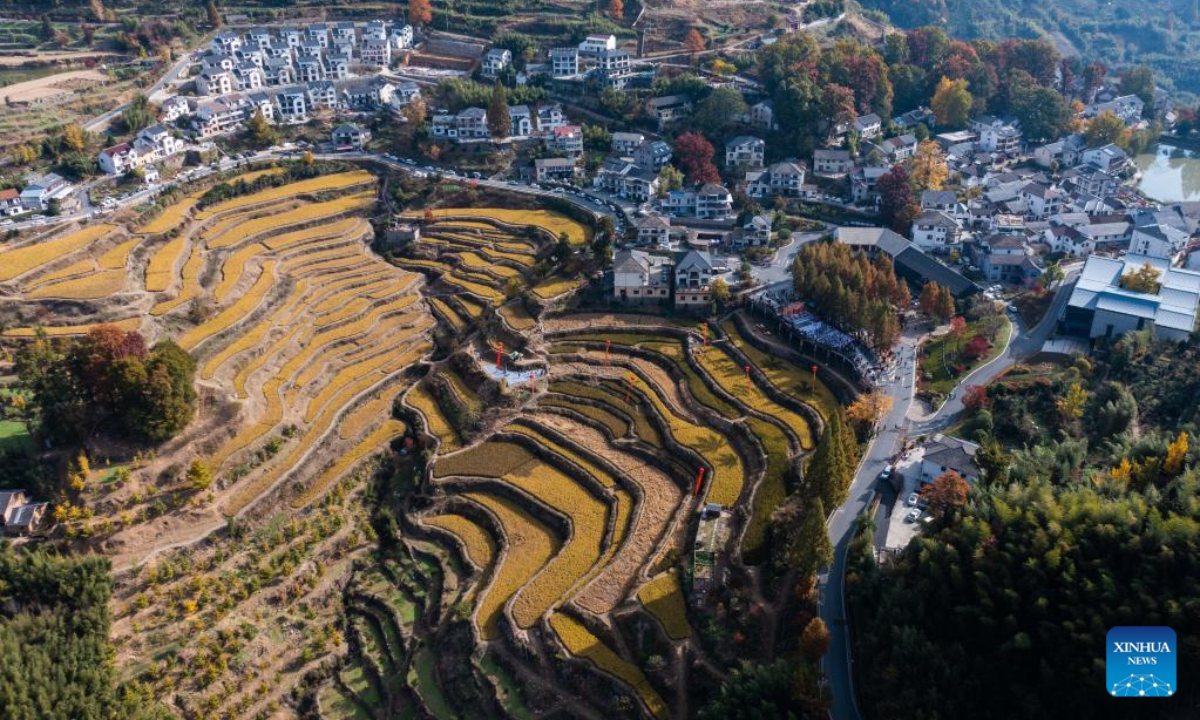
[[1176, 454], [929, 170]]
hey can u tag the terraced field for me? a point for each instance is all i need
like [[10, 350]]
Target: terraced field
[[277, 295], [548, 516]]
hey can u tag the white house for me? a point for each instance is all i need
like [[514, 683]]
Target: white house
[[830, 162], [653, 230], [653, 154], [495, 61], [38, 194], [868, 126], [596, 44], [669, 108], [567, 139], [401, 37], [214, 83], [640, 277], [376, 51], [945, 454], [173, 108], [349, 136], [782, 179], [1127, 107], [545, 169], [10, 202], [292, 106], [119, 159], [745, 152], [625, 143], [1109, 158], [1157, 241], [936, 231], [899, 148], [762, 115]]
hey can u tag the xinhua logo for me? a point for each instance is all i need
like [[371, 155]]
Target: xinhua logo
[[1141, 662]]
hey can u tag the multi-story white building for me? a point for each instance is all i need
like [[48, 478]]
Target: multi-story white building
[[783, 179], [376, 51], [625, 143], [292, 105], [935, 231], [401, 37], [567, 139], [564, 62], [217, 83], [745, 153]]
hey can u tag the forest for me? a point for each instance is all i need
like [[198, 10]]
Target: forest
[[1088, 517], [1164, 34], [55, 660]]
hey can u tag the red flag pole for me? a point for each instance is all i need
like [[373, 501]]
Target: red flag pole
[[814, 378], [499, 352], [699, 480]]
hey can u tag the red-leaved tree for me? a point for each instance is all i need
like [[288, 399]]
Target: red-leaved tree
[[975, 397], [976, 348], [695, 155], [946, 495], [897, 203]]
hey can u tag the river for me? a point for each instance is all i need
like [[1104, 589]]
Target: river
[[1170, 174]]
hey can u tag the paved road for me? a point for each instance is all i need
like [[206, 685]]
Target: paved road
[[780, 268], [891, 433], [836, 663]]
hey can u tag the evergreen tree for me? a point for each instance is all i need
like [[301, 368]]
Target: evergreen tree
[[499, 121]]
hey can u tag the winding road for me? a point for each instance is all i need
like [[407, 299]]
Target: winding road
[[891, 433]]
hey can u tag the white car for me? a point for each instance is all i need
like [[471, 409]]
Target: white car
[[914, 499], [913, 515]]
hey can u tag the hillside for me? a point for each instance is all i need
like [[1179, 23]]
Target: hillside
[[1164, 34]]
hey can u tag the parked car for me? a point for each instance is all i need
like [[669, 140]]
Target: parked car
[[913, 515], [913, 499]]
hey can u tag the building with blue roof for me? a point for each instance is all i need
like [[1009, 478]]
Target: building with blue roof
[[1100, 307]]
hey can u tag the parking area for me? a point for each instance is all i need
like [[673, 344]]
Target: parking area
[[907, 518]]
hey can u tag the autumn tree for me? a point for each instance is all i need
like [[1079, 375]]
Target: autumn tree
[[975, 397], [694, 43], [946, 495], [616, 10], [927, 303], [951, 103], [695, 156], [1176, 453], [929, 169], [869, 408], [837, 107], [499, 121], [74, 138], [1144, 280], [897, 203], [720, 291], [214, 15], [259, 132], [420, 12], [958, 325], [1072, 403], [1105, 128], [199, 476], [814, 640], [803, 536], [669, 178]]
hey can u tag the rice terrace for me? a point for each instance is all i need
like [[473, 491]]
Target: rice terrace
[[428, 475]]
